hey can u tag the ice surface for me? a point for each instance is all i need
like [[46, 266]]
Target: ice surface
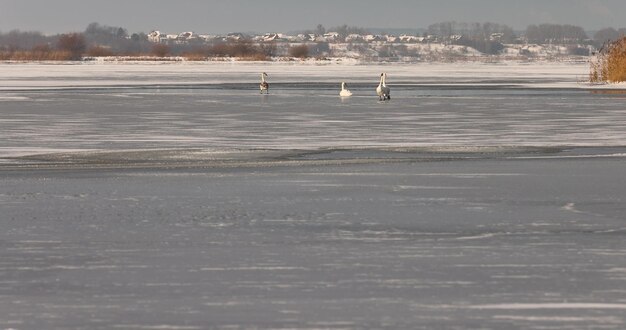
[[174, 196], [18, 76], [490, 244], [215, 106]]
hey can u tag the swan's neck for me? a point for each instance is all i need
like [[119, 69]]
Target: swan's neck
[[262, 78], [384, 80], [343, 86]]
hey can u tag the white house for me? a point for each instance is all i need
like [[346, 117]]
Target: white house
[[410, 39], [373, 38], [156, 36], [268, 37], [354, 38], [235, 36], [331, 36]]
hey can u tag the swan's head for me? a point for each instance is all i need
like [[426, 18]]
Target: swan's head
[[264, 74]]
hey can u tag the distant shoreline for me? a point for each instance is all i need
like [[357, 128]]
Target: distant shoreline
[[322, 60]]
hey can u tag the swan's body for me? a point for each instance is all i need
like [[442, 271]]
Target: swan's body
[[383, 92], [264, 86], [344, 92]]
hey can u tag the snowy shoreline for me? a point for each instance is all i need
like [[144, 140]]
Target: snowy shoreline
[[349, 60]]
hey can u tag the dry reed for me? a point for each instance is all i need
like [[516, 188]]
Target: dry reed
[[610, 63]]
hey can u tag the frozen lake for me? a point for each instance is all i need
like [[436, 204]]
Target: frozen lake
[[118, 107], [174, 196]]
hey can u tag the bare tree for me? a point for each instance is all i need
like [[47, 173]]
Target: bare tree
[[320, 30], [74, 43], [269, 48], [546, 33], [605, 35]]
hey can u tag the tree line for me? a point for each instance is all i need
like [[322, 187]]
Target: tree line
[[474, 31], [103, 40], [96, 40], [556, 33]]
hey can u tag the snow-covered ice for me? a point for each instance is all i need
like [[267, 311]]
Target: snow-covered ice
[[113, 107], [174, 196]]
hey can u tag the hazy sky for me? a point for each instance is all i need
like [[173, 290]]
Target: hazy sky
[[54, 16]]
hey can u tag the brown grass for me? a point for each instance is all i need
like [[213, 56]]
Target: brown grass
[[195, 56], [616, 62], [160, 50], [142, 58], [254, 57], [34, 55], [610, 64]]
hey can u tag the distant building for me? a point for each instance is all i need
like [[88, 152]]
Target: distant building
[[391, 38], [373, 38], [410, 39], [354, 38], [235, 36], [186, 37], [208, 37], [332, 36], [496, 36], [269, 37], [156, 36]]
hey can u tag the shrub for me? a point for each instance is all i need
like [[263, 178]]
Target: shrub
[[197, 54], [74, 43], [36, 55], [243, 49], [160, 50], [194, 56], [99, 51], [269, 49], [301, 51], [220, 49]]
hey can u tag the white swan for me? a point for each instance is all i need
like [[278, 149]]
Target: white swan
[[383, 92], [344, 92], [386, 89], [264, 86]]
